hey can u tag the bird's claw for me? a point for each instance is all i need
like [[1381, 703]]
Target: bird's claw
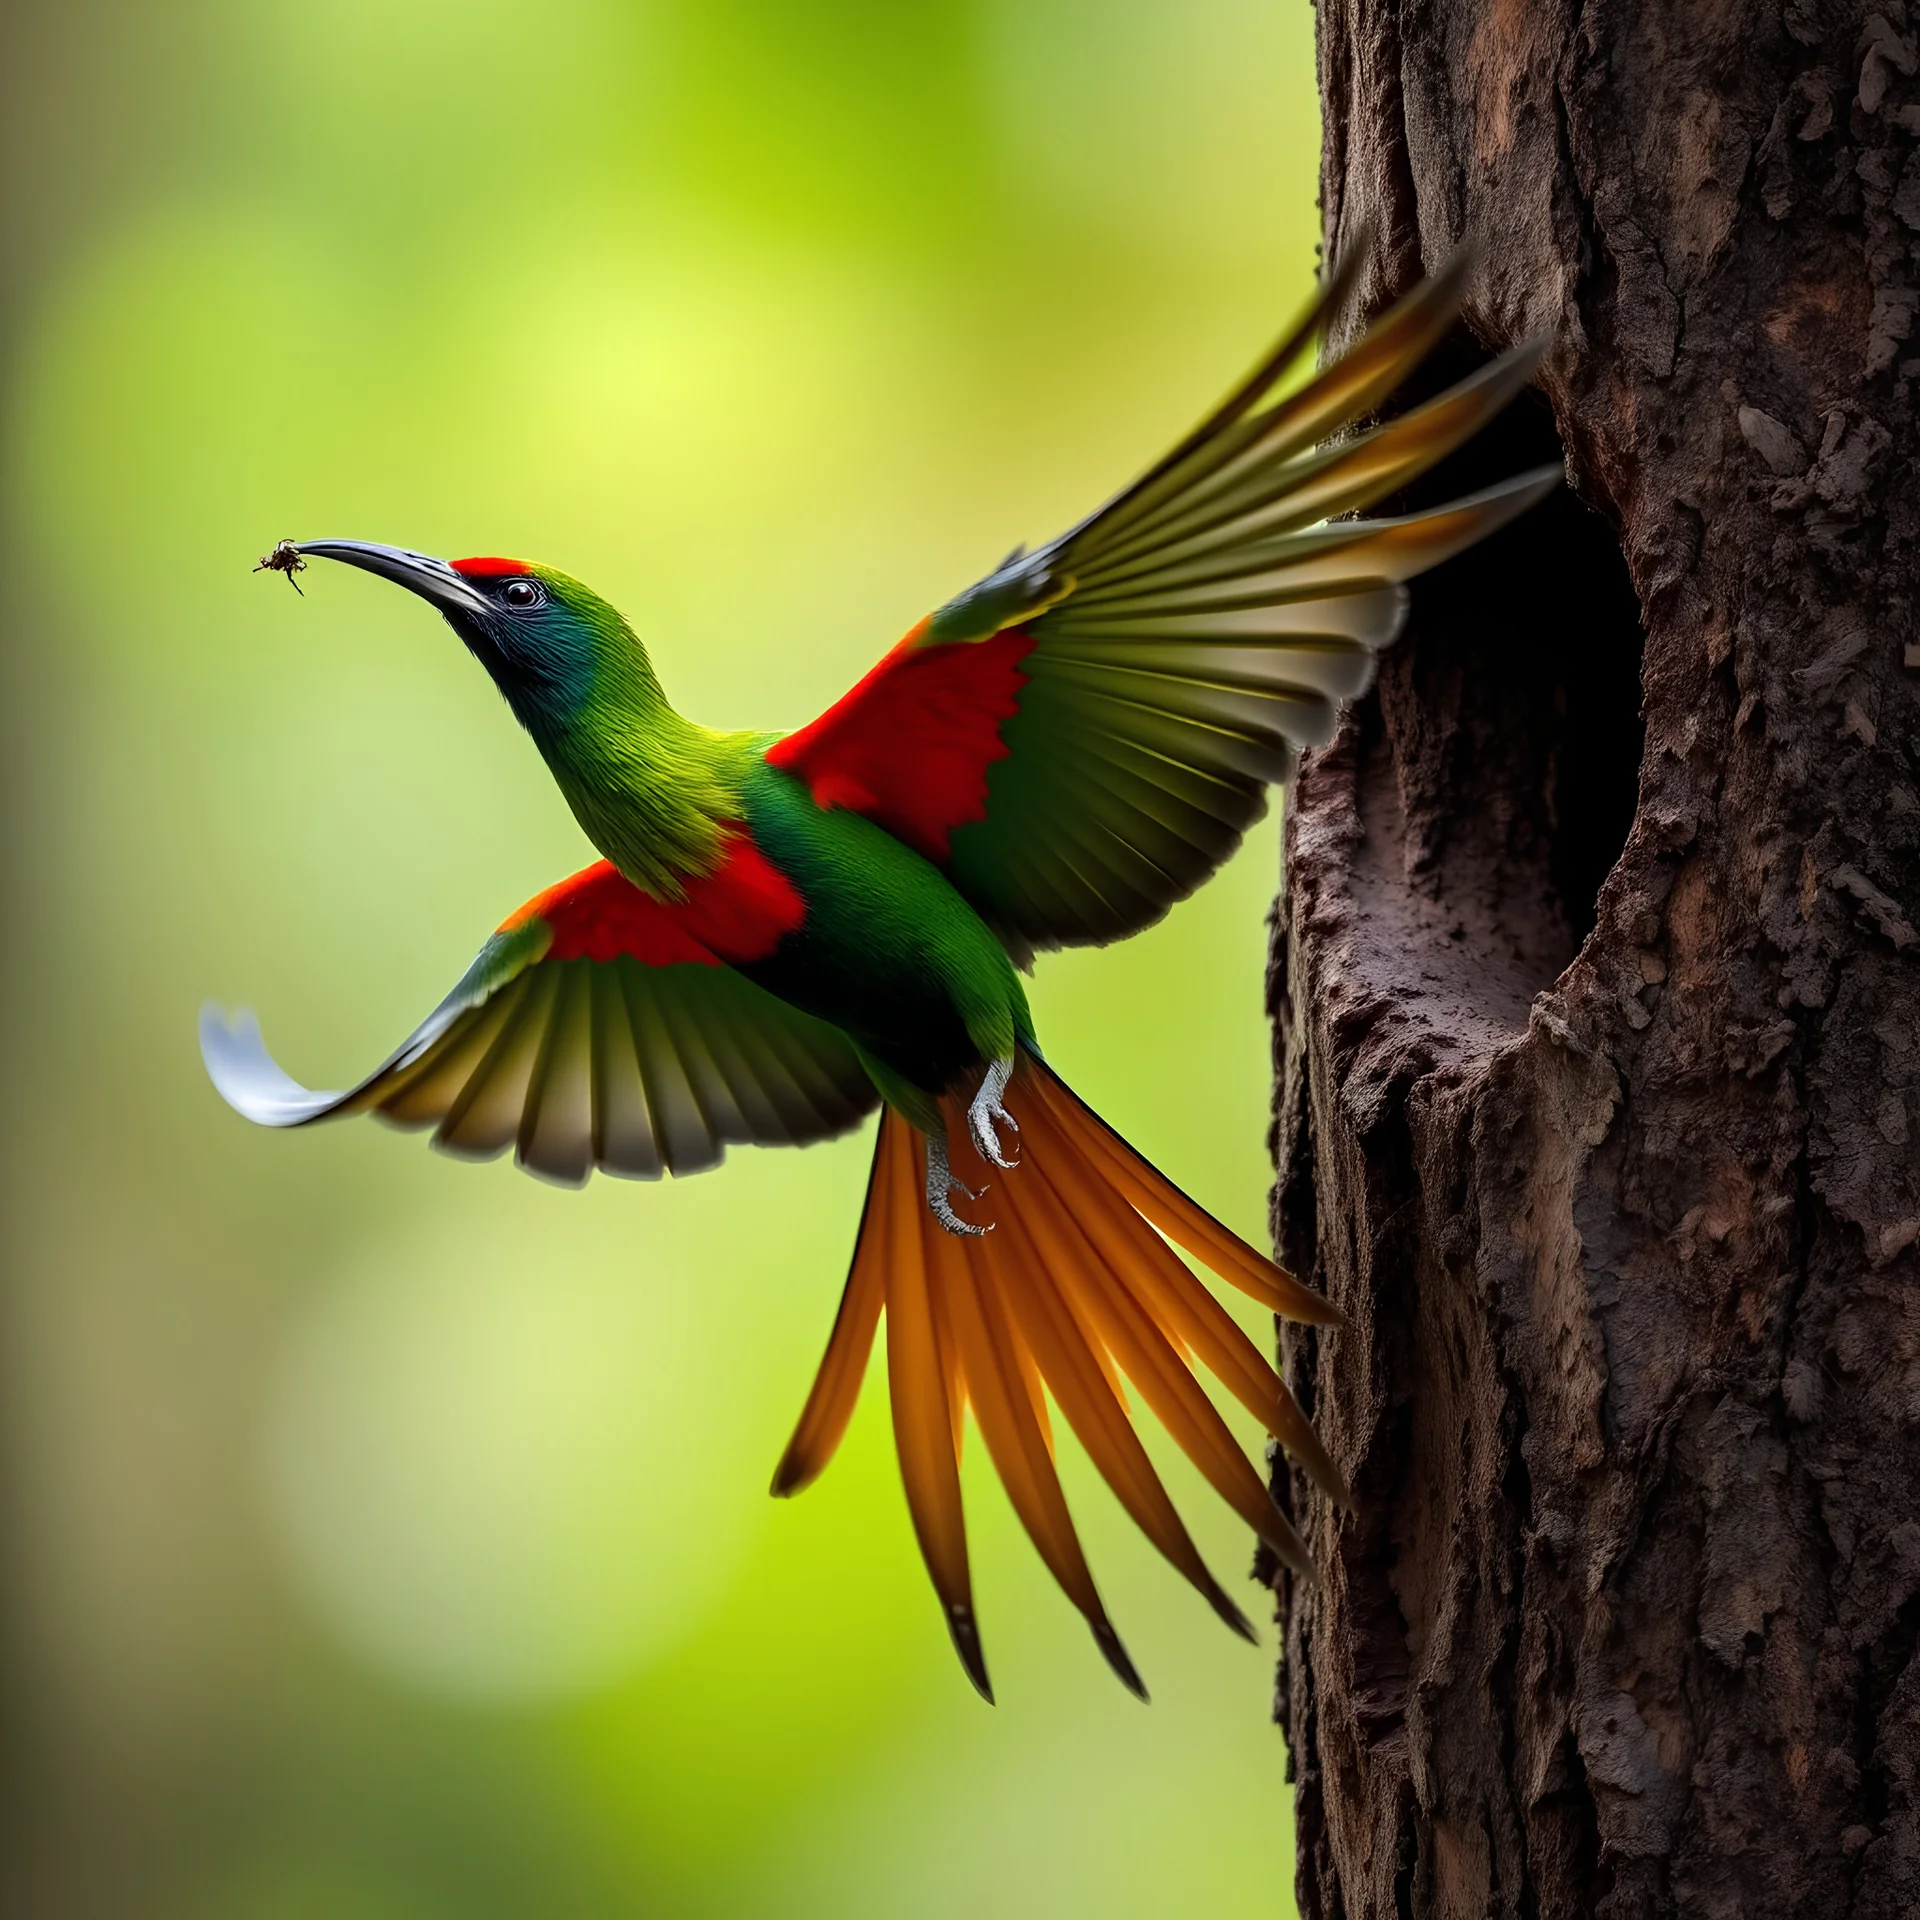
[[944, 1213], [986, 1114], [986, 1140], [942, 1186]]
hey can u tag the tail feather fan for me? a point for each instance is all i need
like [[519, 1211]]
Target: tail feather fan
[[1075, 1295]]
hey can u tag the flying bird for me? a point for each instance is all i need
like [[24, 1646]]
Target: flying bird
[[786, 931]]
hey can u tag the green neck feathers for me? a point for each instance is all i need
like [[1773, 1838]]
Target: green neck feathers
[[652, 790]]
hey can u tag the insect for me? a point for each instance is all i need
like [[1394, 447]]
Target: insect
[[285, 558]]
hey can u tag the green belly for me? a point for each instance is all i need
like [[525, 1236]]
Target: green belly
[[889, 952]]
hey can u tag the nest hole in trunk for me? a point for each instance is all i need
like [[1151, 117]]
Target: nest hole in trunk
[[1499, 754]]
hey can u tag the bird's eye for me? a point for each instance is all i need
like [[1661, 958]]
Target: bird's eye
[[521, 594]]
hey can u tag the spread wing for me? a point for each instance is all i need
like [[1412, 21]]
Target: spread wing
[[598, 1028], [1083, 736]]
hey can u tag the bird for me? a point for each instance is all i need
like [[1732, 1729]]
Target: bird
[[785, 932]]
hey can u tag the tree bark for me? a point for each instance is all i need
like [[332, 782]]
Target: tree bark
[[1597, 999]]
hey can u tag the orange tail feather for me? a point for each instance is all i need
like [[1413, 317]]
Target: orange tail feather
[[923, 1426], [1073, 1290], [823, 1420]]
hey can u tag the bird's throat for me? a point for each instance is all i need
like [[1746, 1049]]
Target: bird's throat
[[654, 793]]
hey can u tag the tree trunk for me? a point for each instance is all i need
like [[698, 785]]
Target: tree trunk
[[1598, 1044]]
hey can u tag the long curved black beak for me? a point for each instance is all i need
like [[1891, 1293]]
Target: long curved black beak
[[419, 573]]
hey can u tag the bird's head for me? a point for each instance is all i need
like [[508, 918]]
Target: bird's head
[[552, 645]]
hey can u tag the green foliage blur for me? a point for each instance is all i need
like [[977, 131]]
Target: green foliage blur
[[387, 1538]]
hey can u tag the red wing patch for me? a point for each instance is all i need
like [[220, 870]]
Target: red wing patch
[[741, 911], [910, 746]]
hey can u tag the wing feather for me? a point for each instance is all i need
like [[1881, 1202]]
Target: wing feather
[[1278, 495], [724, 1105], [1116, 806], [687, 1143], [1196, 631], [485, 1119], [555, 1138], [420, 1095], [624, 1139], [770, 1101], [1342, 391], [580, 1056]]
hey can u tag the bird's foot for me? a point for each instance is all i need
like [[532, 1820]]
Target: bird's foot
[[986, 1114], [942, 1186]]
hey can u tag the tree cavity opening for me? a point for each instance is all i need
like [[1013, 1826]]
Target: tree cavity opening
[[1500, 753]]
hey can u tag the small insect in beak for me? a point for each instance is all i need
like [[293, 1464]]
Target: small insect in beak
[[285, 558]]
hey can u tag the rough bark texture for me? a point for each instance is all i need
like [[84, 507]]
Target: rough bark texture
[[1598, 1048]]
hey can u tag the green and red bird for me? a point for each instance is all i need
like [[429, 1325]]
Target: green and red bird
[[788, 930]]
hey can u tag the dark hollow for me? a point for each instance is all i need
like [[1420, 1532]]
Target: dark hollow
[[1509, 713]]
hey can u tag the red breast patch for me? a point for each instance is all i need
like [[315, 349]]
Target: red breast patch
[[740, 911]]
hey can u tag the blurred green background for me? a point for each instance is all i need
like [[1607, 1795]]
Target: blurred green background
[[386, 1537]]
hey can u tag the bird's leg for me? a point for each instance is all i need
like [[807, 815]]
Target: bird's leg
[[987, 1113], [942, 1186]]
